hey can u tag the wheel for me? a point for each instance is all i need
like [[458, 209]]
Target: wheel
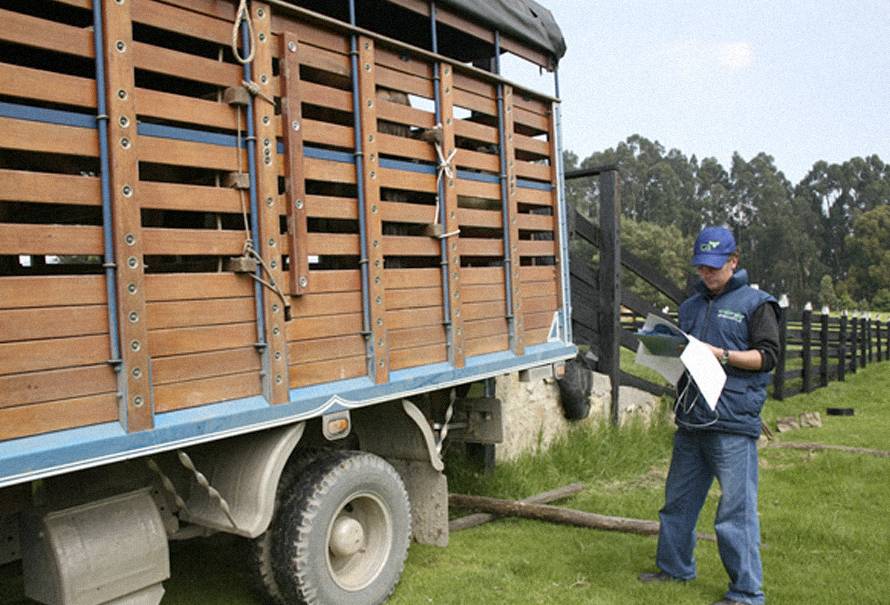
[[260, 550], [342, 535]]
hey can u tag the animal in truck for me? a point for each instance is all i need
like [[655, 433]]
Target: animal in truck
[[254, 257]]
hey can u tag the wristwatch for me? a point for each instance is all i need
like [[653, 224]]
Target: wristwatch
[[724, 357]]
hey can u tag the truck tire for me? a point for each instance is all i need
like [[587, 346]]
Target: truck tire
[[260, 551], [342, 535]]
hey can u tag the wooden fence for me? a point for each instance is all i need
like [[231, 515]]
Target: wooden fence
[[818, 348], [605, 316]]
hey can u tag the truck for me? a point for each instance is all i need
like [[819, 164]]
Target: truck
[[254, 257]]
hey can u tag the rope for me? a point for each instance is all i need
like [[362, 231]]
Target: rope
[[254, 89], [445, 167], [242, 14]]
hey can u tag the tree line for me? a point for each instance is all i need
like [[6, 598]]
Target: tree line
[[825, 240]]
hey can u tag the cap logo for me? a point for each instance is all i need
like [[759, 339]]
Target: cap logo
[[709, 245]]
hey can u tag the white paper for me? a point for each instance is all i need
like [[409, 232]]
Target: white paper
[[697, 358], [705, 370]]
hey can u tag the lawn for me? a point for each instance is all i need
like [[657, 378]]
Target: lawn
[[824, 517]]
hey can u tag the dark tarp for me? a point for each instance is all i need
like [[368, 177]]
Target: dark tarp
[[524, 20]]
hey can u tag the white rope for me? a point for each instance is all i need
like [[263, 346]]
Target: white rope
[[445, 167], [242, 14]]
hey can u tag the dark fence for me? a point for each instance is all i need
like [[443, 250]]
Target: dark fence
[[605, 316], [819, 348]]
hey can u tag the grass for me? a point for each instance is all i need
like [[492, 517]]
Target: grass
[[824, 522]]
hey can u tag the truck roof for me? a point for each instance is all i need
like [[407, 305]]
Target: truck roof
[[525, 20]]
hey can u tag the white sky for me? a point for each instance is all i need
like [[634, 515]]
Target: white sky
[[801, 80]]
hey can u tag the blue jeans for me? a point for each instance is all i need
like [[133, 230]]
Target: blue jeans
[[698, 457]]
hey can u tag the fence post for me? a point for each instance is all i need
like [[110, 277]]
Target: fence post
[[779, 375], [878, 346], [823, 347], [863, 341], [807, 353], [842, 349], [854, 342], [868, 338], [609, 312]]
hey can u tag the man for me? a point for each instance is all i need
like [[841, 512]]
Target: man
[[740, 325]]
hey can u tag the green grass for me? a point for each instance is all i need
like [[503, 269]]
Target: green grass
[[824, 522]]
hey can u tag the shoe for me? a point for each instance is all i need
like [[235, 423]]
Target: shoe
[[648, 577], [727, 602]]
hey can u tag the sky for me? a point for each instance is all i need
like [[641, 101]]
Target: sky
[[800, 80]]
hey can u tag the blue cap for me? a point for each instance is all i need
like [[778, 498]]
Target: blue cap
[[713, 246]]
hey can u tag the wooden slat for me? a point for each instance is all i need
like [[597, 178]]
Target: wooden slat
[[49, 188], [325, 96], [403, 212], [177, 341], [404, 63], [179, 368], [307, 31], [336, 281], [411, 278], [50, 385], [181, 314], [51, 291], [193, 393], [35, 324], [537, 248], [413, 298], [50, 239], [397, 245], [394, 80], [471, 83], [24, 135], [174, 196], [489, 344], [476, 131], [533, 274], [325, 60], [322, 327], [411, 116], [528, 103], [481, 247], [188, 153], [179, 108], [534, 121], [196, 286], [326, 170], [54, 353], [410, 358], [335, 303], [56, 415], [45, 34], [486, 328], [326, 133], [474, 159], [319, 349], [534, 196], [535, 304], [193, 241], [163, 16], [480, 218], [19, 81], [531, 170], [413, 318], [482, 293], [535, 222], [532, 145], [331, 207], [404, 179], [327, 371], [333, 243], [405, 147], [183, 65], [466, 187], [415, 337], [483, 276], [468, 100], [537, 336], [483, 310], [538, 320]]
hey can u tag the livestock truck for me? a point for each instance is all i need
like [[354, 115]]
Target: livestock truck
[[252, 257]]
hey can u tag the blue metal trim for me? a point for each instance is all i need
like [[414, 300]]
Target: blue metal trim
[[563, 219], [407, 166], [48, 116], [328, 154], [187, 134], [108, 258], [254, 205], [526, 184], [39, 456], [482, 177], [360, 197]]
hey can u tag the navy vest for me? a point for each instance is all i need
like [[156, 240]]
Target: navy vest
[[723, 322]]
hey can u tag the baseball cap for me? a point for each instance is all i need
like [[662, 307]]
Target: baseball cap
[[713, 247]]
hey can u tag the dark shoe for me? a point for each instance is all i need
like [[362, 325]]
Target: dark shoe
[[648, 577]]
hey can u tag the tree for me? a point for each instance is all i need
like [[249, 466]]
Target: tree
[[869, 255], [827, 295]]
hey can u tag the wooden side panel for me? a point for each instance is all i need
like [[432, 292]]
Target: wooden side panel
[[512, 205]]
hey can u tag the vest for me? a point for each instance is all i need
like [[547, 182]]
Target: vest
[[723, 322]]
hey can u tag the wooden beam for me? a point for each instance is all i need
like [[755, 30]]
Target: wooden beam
[[478, 519]]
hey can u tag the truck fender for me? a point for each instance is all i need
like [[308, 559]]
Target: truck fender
[[234, 481]]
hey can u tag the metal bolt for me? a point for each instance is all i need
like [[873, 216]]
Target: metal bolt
[[373, 175], [134, 317], [271, 243], [266, 120], [382, 363], [376, 243], [127, 190], [260, 12], [121, 94], [370, 138], [304, 281], [367, 45], [132, 262], [367, 67], [377, 263], [130, 239], [277, 355], [379, 300], [295, 125], [276, 331], [266, 142], [379, 321], [132, 289], [268, 160], [137, 373], [135, 345], [124, 121], [292, 46], [269, 201], [377, 280], [138, 401], [380, 343], [273, 264], [120, 46], [264, 79], [262, 36], [277, 378], [373, 208], [125, 143], [298, 204]]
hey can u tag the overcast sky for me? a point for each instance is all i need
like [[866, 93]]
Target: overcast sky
[[800, 80]]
